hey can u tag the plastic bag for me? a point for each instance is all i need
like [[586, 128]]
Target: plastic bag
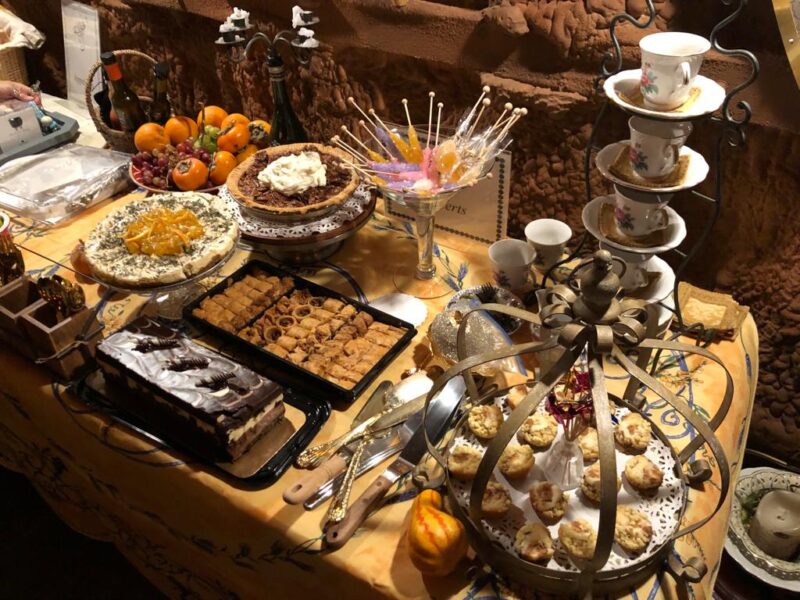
[[16, 33]]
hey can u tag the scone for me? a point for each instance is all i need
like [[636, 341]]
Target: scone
[[463, 462], [516, 461], [633, 433], [578, 538], [496, 500], [538, 431], [549, 502], [633, 530], [533, 542], [642, 474], [485, 420], [587, 441], [590, 484]]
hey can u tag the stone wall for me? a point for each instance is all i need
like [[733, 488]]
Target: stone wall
[[539, 53]]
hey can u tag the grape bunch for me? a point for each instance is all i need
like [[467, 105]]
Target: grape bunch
[[154, 167]]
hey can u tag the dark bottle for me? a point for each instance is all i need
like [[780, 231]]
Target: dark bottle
[[161, 109], [285, 126], [125, 102]]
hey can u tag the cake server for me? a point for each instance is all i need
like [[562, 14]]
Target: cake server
[[440, 413], [333, 466]]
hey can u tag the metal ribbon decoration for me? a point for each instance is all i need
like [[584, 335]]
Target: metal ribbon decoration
[[629, 332]]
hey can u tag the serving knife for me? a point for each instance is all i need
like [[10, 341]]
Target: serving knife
[[336, 464], [440, 413]]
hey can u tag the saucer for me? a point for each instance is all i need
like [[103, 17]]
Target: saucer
[[751, 558], [696, 170], [674, 234], [623, 90], [660, 287]]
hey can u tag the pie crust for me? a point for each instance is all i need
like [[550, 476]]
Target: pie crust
[[112, 263], [336, 198]]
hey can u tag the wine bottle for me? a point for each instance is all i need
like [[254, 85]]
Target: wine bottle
[[286, 127], [125, 102], [160, 109]]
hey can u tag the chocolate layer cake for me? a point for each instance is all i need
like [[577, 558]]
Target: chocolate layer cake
[[204, 401]]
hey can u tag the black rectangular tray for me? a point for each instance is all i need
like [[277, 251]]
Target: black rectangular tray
[[284, 371], [316, 413]]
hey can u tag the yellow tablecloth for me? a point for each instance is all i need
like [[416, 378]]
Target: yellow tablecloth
[[193, 534]]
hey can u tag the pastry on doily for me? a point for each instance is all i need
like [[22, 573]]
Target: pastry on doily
[[516, 461], [633, 530], [485, 420], [589, 445], [538, 430], [642, 474], [590, 483], [463, 462], [578, 538], [549, 502], [633, 433], [533, 542], [496, 500]]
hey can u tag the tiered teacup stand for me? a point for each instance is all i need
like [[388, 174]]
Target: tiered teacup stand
[[708, 101]]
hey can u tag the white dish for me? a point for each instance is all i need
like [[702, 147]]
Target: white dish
[[626, 83], [663, 284], [695, 174], [676, 228], [738, 543]]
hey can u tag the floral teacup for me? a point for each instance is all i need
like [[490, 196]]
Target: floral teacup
[[670, 64], [511, 263], [638, 219], [655, 146]]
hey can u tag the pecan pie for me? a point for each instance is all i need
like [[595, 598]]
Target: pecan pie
[[250, 182]]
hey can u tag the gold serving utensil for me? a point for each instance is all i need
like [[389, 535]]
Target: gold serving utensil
[[72, 294], [52, 293], [338, 508], [12, 265]]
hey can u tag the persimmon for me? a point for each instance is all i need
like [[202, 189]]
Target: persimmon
[[222, 164], [214, 116], [234, 118], [149, 137], [233, 138], [246, 153], [190, 174], [259, 132], [180, 129]]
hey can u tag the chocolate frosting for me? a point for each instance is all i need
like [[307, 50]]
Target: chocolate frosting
[[193, 389]]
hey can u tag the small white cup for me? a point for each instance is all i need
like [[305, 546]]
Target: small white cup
[[670, 64], [635, 275], [548, 237], [639, 219], [511, 263], [656, 146]]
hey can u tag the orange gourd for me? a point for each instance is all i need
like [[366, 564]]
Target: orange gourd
[[436, 540]]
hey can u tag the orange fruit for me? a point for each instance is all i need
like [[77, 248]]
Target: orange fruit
[[221, 166], [190, 174], [179, 129], [259, 132], [234, 118], [246, 153], [233, 138], [214, 116], [149, 137]]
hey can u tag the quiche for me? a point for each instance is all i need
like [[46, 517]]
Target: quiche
[[161, 240], [293, 179]]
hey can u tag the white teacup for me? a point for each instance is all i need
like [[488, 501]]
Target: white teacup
[[511, 263], [639, 219], [670, 64], [656, 146], [549, 237], [635, 275]]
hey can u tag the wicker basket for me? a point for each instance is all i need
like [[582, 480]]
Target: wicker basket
[[12, 65], [117, 140]]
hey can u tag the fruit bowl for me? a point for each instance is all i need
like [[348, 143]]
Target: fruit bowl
[[135, 175]]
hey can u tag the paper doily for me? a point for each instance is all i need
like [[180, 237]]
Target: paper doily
[[663, 509], [350, 209]]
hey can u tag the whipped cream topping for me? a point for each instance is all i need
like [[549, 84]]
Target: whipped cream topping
[[295, 173]]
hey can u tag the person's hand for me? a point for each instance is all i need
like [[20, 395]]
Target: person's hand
[[11, 90]]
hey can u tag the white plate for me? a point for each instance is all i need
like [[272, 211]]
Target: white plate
[[662, 286], [751, 479], [676, 228], [695, 174], [711, 97]]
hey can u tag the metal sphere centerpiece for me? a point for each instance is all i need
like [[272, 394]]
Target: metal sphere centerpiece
[[590, 324]]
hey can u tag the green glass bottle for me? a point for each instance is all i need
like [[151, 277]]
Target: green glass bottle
[[285, 126], [124, 100], [161, 109]]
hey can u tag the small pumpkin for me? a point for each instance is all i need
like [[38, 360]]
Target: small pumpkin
[[436, 540]]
